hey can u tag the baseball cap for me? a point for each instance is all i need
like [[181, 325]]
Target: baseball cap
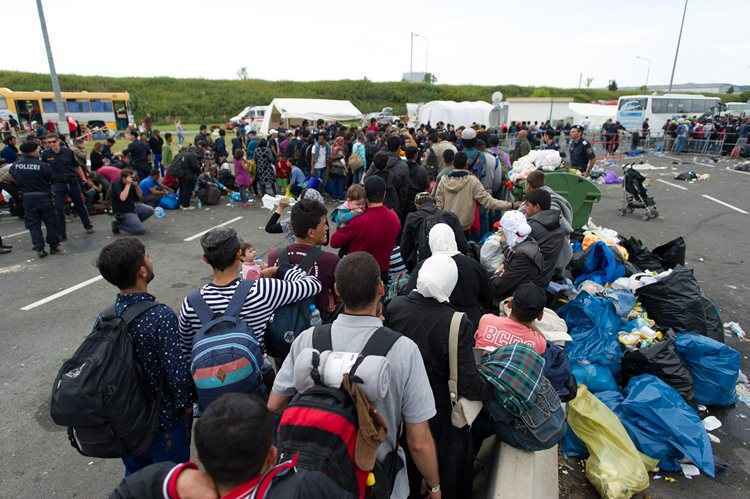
[[217, 238], [469, 134], [529, 299]]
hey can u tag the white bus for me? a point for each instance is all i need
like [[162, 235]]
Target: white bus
[[632, 110], [738, 108]]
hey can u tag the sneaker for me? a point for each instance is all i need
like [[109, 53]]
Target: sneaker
[[41, 254], [89, 230], [187, 207], [115, 227], [57, 250]]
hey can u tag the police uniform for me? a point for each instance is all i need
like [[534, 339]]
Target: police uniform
[[65, 182], [34, 179], [580, 153]]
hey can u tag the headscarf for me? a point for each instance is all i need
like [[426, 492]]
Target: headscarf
[[338, 146], [437, 278], [442, 240], [515, 227]]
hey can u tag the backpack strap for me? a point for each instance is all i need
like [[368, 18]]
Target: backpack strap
[[378, 345], [238, 299], [453, 356], [135, 310], [196, 301], [321, 341], [311, 258]]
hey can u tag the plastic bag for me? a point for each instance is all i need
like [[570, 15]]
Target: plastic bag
[[593, 324], [641, 257], [623, 300], [664, 426], [491, 254], [661, 360], [677, 302], [600, 265], [671, 254], [714, 367], [596, 378], [572, 446], [615, 468]]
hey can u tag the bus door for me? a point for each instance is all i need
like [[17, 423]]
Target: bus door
[[121, 114], [28, 111]]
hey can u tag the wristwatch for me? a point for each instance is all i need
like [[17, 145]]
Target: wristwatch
[[435, 489]]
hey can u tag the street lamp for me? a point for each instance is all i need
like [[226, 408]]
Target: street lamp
[[648, 70], [677, 51]]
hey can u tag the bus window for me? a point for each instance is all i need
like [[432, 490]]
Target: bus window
[[48, 106], [633, 104], [77, 106], [3, 104], [260, 113], [101, 106]]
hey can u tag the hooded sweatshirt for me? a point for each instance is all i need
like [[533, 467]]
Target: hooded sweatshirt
[[457, 192], [550, 236]]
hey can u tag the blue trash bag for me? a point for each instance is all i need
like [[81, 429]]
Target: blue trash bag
[[663, 426], [572, 446], [596, 378], [612, 399], [600, 265], [714, 366], [169, 201], [623, 300], [593, 324]]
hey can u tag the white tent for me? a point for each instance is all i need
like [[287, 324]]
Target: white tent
[[290, 112], [597, 114], [455, 113]]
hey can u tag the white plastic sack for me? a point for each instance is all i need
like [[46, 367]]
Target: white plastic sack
[[521, 168], [491, 254], [547, 160], [271, 202]]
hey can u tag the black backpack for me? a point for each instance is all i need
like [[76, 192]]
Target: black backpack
[[423, 238], [100, 393], [320, 425], [177, 168], [290, 320]]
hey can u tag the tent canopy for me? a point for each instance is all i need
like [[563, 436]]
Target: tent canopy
[[455, 113], [289, 112]]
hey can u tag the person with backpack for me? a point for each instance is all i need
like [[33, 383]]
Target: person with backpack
[[136, 396], [409, 400], [234, 440], [426, 316], [185, 168], [418, 179], [415, 246], [395, 172], [545, 230], [222, 250]]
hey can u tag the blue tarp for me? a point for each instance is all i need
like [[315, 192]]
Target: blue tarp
[[600, 265]]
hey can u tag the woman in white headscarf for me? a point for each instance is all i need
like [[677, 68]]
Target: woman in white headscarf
[[424, 316], [472, 293], [523, 260]]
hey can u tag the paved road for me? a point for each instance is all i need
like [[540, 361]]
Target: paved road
[[37, 460]]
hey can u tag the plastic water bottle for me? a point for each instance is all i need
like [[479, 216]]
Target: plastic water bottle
[[159, 212], [315, 319], [200, 204]]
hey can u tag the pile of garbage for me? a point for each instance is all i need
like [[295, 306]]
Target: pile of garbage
[[648, 355], [547, 160]]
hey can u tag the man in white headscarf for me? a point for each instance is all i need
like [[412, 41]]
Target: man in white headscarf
[[472, 293], [425, 315], [523, 261]]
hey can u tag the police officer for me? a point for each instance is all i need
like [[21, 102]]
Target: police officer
[[65, 182], [34, 179], [581, 153]]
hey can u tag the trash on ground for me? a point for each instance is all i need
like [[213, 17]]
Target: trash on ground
[[711, 423], [735, 329], [689, 470]]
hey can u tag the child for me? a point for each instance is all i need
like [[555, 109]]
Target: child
[[250, 267], [354, 206], [241, 176], [283, 170]]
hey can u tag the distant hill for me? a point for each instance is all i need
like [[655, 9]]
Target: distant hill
[[215, 101]]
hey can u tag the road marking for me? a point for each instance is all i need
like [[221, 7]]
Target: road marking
[[730, 169], [725, 204], [671, 184], [16, 234], [61, 293], [196, 236]]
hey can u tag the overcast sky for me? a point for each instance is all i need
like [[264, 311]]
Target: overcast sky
[[525, 42]]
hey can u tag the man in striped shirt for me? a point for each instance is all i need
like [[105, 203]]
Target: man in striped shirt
[[221, 250]]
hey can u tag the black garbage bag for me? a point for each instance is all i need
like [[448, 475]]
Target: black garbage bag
[[661, 360], [641, 257], [677, 302], [671, 254]]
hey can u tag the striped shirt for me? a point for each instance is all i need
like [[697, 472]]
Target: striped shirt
[[264, 298]]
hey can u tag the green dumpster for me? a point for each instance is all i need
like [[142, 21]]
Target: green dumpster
[[579, 191]]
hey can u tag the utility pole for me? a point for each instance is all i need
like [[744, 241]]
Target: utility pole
[[677, 51], [411, 54], [580, 79], [62, 123]]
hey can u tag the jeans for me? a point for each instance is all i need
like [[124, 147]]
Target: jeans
[[321, 174], [132, 223], [171, 445], [157, 163], [680, 144], [187, 184], [62, 190], [38, 208], [357, 176]]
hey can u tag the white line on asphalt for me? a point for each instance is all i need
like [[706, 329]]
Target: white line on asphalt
[[725, 204], [196, 236], [737, 171], [671, 184], [62, 293], [15, 234]]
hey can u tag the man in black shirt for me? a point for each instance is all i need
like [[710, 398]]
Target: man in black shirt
[[127, 205], [156, 143], [137, 153], [66, 175], [34, 179]]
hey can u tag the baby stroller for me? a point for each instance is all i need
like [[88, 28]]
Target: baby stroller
[[635, 195]]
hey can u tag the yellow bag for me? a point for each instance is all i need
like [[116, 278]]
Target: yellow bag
[[250, 167], [615, 468]]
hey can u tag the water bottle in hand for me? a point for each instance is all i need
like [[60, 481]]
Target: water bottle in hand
[[315, 319]]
